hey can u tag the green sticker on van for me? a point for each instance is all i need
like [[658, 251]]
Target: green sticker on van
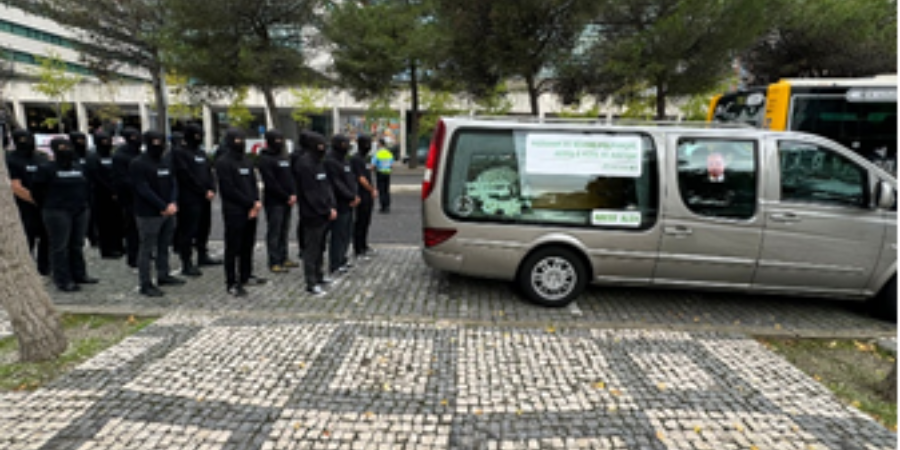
[[614, 218]]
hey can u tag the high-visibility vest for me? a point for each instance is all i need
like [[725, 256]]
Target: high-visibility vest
[[383, 161]]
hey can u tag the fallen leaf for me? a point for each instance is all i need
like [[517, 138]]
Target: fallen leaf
[[661, 386], [301, 365], [832, 344], [739, 427], [500, 313], [387, 387], [551, 329], [615, 392], [478, 412], [611, 408], [326, 433], [297, 425], [599, 385], [817, 378], [369, 414], [444, 402], [199, 399], [518, 412], [697, 429], [660, 435], [753, 447], [696, 319], [777, 326], [856, 404], [131, 320]]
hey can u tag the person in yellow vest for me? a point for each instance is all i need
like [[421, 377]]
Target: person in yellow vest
[[383, 161]]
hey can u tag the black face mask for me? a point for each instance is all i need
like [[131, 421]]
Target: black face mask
[[24, 143], [155, 149], [364, 145], [274, 143], [64, 157], [340, 144], [104, 147]]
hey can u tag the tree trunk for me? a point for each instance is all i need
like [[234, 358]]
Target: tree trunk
[[532, 95], [162, 113], [888, 388], [34, 319], [59, 118], [412, 141], [271, 107], [660, 100]]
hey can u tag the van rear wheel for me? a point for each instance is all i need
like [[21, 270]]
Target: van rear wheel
[[553, 276], [884, 305]]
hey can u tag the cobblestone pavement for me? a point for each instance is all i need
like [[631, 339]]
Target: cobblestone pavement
[[398, 355], [219, 381]]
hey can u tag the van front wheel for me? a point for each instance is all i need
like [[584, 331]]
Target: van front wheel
[[553, 277]]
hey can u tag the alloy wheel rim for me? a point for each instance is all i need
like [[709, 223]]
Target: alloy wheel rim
[[553, 278]]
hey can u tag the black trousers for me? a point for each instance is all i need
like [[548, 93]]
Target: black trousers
[[383, 183], [156, 239], [314, 253], [107, 215], [189, 218], [36, 235], [66, 231], [202, 239], [301, 240], [341, 231], [240, 236], [361, 225], [132, 239], [278, 226]]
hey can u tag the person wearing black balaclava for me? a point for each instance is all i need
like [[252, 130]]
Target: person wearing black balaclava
[[361, 164], [61, 189], [155, 206], [315, 200], [303, 144], [198, 189], [279, 196], [240, 209], [344, 185], [80, 145], [23, 164], [106, 211], [124, 190]]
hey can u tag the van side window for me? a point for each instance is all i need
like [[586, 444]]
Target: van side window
[[597, 180], [717, 177], [814, 174]]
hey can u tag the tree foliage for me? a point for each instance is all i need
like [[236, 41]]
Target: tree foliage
[[676, 47], [489, 42], [826, 38], [56, 84], [308, 101], [239, 116], [380, 47]]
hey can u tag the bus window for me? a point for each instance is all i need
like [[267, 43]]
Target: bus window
[[741, 107]]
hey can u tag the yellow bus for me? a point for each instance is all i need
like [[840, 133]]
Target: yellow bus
[[860, 113]]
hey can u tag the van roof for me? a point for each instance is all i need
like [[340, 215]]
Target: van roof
[[529, 122]]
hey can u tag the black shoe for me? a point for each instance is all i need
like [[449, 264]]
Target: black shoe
[[206, 260], [255, 281], [190, 270], [70, 287], [87, 280], [44, 272], [315, 291], [111, 255], [237, 290], [150, 290], [169, 280]]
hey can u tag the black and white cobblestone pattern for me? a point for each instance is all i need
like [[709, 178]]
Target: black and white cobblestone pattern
[[202, 381]]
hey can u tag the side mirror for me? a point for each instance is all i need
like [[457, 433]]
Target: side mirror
[[885, 195]]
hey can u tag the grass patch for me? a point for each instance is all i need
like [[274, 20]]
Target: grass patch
[[87, 334], [853, 370]]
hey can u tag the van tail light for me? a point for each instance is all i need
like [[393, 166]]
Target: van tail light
[[435, 236], [434, 156]]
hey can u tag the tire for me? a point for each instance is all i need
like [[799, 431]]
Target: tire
[[884, 305], [552, 276]]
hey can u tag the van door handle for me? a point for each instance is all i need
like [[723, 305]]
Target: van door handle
[[679, 231], [784, 217]]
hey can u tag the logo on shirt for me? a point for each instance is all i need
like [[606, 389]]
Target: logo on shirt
[[162, 172], [199, 159], [347, 169], [321, 176], [368, 167], [106, 161], [284, 164], [69, 174], [31, 168], [244, 171]]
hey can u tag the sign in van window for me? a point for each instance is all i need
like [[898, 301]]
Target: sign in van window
[[567, 154], [612, 218]]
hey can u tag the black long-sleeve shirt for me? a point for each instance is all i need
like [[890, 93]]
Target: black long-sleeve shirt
[[237, 184], [342, 180], [362, 168], [278, 183], [315, 198], [55, 187], [24, 168], [121, 177], [194, 174], [154, 184], [100, 173]]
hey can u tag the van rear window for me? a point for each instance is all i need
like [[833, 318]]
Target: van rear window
[[595, 180]]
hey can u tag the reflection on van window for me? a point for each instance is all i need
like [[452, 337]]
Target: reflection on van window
[[812, 174], [717, 177], [490, 180]]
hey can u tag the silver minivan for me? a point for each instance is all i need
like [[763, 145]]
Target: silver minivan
[[556, 205]]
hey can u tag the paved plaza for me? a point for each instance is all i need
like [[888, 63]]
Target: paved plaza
[[400, 356]]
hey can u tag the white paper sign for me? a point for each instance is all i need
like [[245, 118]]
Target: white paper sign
[[563, 154], [614, 218]]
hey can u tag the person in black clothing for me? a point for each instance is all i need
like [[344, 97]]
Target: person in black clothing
[[106, 211], [240, 208], [279, 196], [344, 184], [121, 161], [196, 189], [193, 138], [303, 144], [61, 189], [80, 144], [23, 164], [316, 203], [361, 164], [155, 206]]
